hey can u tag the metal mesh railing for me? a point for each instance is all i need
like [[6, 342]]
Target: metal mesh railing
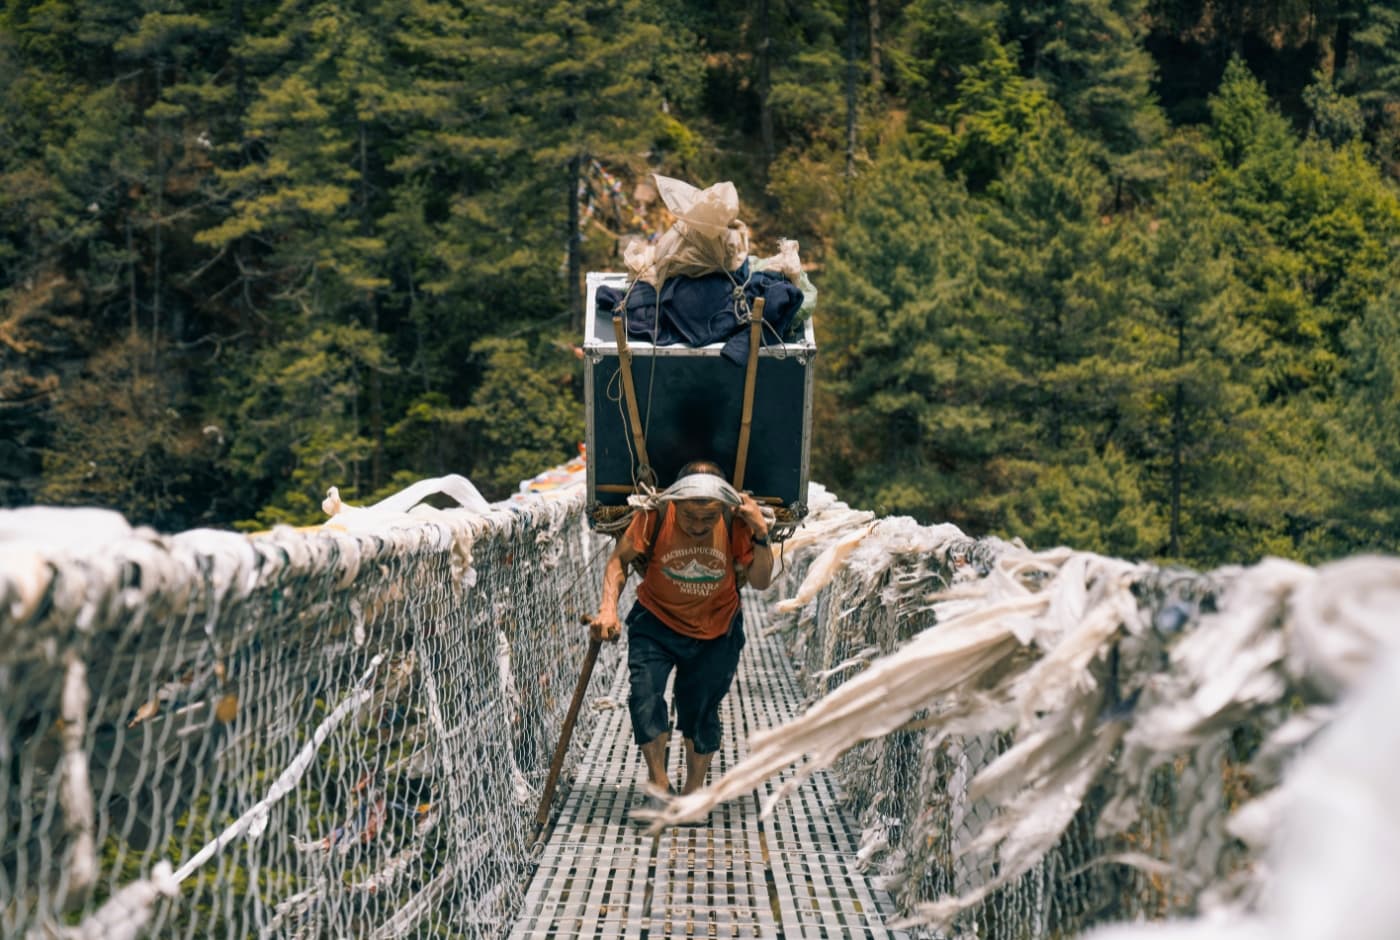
[[343, 731], [318, 733], [1056, 741]]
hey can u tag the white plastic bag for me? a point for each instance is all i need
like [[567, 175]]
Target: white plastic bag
[[706, 237]]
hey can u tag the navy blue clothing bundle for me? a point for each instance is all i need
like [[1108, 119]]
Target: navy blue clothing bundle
[[697, 311], [704, 672]]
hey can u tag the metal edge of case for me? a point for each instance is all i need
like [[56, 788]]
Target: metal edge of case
[[589, 437], [591, 357], [799, 510]]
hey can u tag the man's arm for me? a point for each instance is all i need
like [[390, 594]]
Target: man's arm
[[605, 625], [760, 571]]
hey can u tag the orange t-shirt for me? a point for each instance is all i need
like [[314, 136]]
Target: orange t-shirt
[[690, 587]]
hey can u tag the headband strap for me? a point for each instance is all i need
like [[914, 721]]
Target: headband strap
[[704, 486]]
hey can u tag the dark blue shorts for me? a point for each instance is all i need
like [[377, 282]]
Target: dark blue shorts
[[704, 672]]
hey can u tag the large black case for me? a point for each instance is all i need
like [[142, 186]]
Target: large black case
[[691, 404]]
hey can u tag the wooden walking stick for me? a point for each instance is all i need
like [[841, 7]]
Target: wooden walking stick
[[562, 748]]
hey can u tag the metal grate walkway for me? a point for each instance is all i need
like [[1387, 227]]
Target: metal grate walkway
[[790, 876]]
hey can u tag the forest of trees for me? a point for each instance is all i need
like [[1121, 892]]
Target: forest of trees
[[1119, 274]]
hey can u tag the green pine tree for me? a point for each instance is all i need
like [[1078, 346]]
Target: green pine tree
[[969, 106], [106, 108], [1258, 155], [1363, 459], [1372, 74], [554, 86], [1089, 56], [1096, 501], [325, 97], [317, 126], [521, 419], [911, 375], [1045, 260], [1186, 362], [297, 425], [1057, 283], [1314, 229]]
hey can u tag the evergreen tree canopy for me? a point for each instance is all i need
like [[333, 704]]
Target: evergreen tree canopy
[[1110, 273]]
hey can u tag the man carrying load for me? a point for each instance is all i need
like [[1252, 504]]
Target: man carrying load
[[698, 548]]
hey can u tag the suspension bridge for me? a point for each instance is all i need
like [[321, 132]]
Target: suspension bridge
[[344, 731]]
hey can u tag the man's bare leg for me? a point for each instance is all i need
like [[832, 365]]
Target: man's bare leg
[[696, 766], [654, 753]]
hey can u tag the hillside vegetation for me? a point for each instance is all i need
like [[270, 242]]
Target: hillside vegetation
[[1113, 273]]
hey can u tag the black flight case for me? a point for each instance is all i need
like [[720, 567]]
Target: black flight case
[[690, 406]]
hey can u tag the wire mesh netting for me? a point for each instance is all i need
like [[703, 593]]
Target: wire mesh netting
[[320, 733], [344, 731], [1039, 743]]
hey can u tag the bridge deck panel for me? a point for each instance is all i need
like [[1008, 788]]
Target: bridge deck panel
[[791, 875]]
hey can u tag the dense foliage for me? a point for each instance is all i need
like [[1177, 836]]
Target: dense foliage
[[1116, 273]]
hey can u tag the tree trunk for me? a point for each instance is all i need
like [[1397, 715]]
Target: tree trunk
[[420, 355], [765, 85], [376, 409], [873, 9], [852, 23], [376, 380], [1178, 445], [240, 86], [575, 261], [355, 465], [236, 21], [156, 214], [133, 306], [1341, 42]]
